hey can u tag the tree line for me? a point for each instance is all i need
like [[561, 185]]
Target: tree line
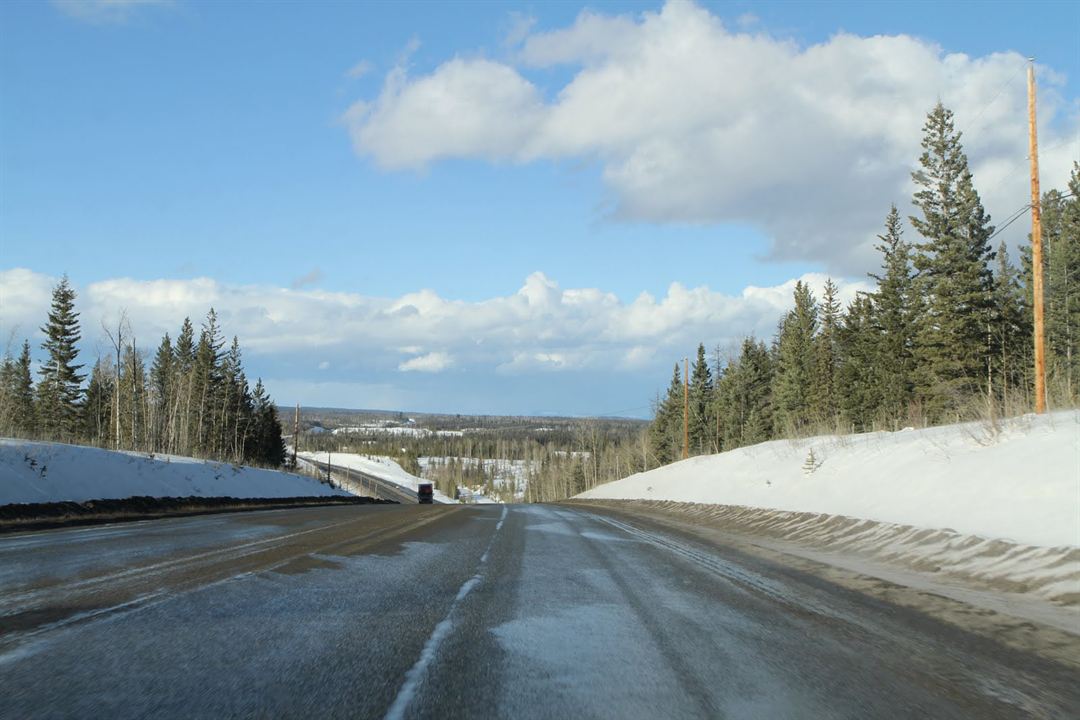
[[945, 335], [194, 399], [563, 458]]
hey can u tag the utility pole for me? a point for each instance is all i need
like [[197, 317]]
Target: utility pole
[[295, 435], [686, 409], [1036, 248]]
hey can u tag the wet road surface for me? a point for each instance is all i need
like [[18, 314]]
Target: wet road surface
[[447, 611]]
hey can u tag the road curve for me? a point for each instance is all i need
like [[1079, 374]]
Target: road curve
[[450, 611]]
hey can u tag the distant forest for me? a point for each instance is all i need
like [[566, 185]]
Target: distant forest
[[193, 400]]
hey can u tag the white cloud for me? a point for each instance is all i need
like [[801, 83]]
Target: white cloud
[[430, 363], [693, 122], [104, 11], [540, 328], [359, 70]]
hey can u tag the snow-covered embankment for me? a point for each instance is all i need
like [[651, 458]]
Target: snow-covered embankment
[[998, 504], [39, 472]]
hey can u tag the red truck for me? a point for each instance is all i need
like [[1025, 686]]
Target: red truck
[[425, 494]]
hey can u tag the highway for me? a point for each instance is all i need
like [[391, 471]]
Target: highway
[[406, 611], [363, 483]]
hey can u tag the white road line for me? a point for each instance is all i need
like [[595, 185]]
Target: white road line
[[416, 673]]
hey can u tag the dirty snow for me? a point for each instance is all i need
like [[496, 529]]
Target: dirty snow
[[37, 472]]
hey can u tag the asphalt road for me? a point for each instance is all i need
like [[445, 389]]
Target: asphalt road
[[448, 611]]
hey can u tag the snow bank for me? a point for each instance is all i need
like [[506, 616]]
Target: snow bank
[[1018, 481], [377, 465], [36, 472]]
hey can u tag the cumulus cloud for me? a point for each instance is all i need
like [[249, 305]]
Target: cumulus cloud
[[541, 328], [691, 121], [430, 363]]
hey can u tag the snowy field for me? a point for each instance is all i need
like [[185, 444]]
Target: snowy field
[[1020, 483], [996, 508], [505, 474], [381, 467], [395, 430], [38, 472]]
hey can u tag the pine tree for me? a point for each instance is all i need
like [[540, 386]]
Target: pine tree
[[60, 385], [183, 414], [207, 383], [268, 447], [827, 356], [23, 395], [1010, 333], [1061, 243], [793, 385], [702, 420], [744, 397], [161, 391], [861, 373], [665, 433], [896, 307], [953, 269]]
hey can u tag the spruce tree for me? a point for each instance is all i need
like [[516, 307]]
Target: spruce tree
[[23, 394], [268, 447], [60, 386], [665, 432], [161, 390], [896, 308], [861, 373], [953, 270], [827, 356], [206, 383], [1011, 335], [702, 420], [1061, 253], [793, 388]]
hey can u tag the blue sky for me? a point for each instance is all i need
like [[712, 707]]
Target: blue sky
[[180, 141]]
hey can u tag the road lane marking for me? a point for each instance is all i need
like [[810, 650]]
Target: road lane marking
[[416, 673]]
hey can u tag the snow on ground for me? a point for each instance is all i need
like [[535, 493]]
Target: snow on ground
[[395, 430], [35, 472], [381, 467], [1019, 483], [505, 473]]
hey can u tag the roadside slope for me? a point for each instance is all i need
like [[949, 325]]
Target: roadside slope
[[995, 507], [40, 472]]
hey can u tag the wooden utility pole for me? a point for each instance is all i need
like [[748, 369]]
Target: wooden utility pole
[[686, 409], [295, 434], [1036, 248]]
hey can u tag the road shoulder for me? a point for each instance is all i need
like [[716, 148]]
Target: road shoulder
[[1049, 630]]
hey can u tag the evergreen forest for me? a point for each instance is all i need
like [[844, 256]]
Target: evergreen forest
[[193, 400]]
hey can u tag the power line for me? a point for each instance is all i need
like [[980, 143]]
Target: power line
[[1013, 218], [1004, 86]]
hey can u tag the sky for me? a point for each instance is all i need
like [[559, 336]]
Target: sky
[[506, 208]]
